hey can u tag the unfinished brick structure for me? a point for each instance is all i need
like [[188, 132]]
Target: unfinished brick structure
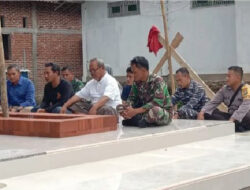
[[35, 33], [55, 125]]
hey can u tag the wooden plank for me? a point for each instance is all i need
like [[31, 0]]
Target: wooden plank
[[175, 43], [193, 74], [177, 40], [4, 99], [170, 69], [161, 63]]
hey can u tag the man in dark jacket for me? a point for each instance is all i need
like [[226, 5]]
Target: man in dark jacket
[[56, 92]]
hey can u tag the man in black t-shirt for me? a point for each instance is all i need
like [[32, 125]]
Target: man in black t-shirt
[[56, 92]]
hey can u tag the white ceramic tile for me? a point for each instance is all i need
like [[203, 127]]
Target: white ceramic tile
[[146, 171]]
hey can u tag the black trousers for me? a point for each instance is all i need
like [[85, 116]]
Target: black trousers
[[242, 126]]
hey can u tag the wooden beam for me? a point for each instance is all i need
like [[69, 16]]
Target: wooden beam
[[175, 43], [177, 40], [161, 63], [193, 74], [168, 47], [4, 99]]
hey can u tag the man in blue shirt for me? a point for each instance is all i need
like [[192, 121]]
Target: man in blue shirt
[[127, 87], [20, 90]]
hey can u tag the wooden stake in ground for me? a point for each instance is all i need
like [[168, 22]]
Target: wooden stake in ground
[[168, 47], [4, 100]]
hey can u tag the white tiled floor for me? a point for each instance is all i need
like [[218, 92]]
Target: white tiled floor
[[151, 170], [12, 147]]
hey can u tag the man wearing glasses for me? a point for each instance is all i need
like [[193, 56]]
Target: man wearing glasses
[[101, 94]]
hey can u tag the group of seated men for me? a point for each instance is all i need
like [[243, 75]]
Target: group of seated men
[[145, 100]]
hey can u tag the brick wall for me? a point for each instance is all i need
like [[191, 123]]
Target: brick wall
[[61, 49], [59, 38], [14, 13], [65, 17]]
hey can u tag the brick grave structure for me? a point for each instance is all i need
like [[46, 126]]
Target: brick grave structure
[[55, 125]]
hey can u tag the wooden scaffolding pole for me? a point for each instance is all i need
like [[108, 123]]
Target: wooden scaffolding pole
[[4, 100], [170, 69]]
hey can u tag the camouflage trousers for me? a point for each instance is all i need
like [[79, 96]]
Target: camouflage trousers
[[84, 106], [156, 116], [187, 113]]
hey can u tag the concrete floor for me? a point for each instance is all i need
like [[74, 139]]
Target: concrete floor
[[88, 162], [180, 167], [14, 147]]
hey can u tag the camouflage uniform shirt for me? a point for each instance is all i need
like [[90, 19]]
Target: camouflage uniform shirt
[[153, 96], [77, 85], [151, 93], [189, 100]]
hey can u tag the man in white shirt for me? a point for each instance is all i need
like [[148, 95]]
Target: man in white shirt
[[101, 94]]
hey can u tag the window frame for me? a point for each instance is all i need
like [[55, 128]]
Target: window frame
[[2, 21], [211, 3], [123, 8], [7, 53]]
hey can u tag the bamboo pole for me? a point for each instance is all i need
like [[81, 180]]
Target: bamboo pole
[[4, 99], [170, 69]]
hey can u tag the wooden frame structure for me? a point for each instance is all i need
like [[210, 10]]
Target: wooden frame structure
[[171, 52]]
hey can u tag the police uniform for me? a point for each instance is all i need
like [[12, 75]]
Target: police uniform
[[239, 109], [189, 101], [153, 96]]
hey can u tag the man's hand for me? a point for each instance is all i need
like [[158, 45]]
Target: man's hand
[[232, 119], [201, 116], [41, 111], [63, 109], [93, 110], [129, 112]]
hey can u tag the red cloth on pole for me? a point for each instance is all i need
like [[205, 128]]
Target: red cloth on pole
[[153, 43]]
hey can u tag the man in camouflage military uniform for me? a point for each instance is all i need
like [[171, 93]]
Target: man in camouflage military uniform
[[149, 102], [236, 96], [69, 76], [189, 97]]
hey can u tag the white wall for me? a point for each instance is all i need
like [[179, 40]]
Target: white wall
[[242, 9], [209, 44]]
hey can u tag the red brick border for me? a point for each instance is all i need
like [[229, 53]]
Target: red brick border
[[55, 125]]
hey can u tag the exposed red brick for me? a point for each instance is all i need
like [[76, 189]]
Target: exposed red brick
[[55, 125], [63, 49]]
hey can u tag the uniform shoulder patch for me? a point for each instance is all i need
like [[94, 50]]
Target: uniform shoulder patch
[[246, 91]]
